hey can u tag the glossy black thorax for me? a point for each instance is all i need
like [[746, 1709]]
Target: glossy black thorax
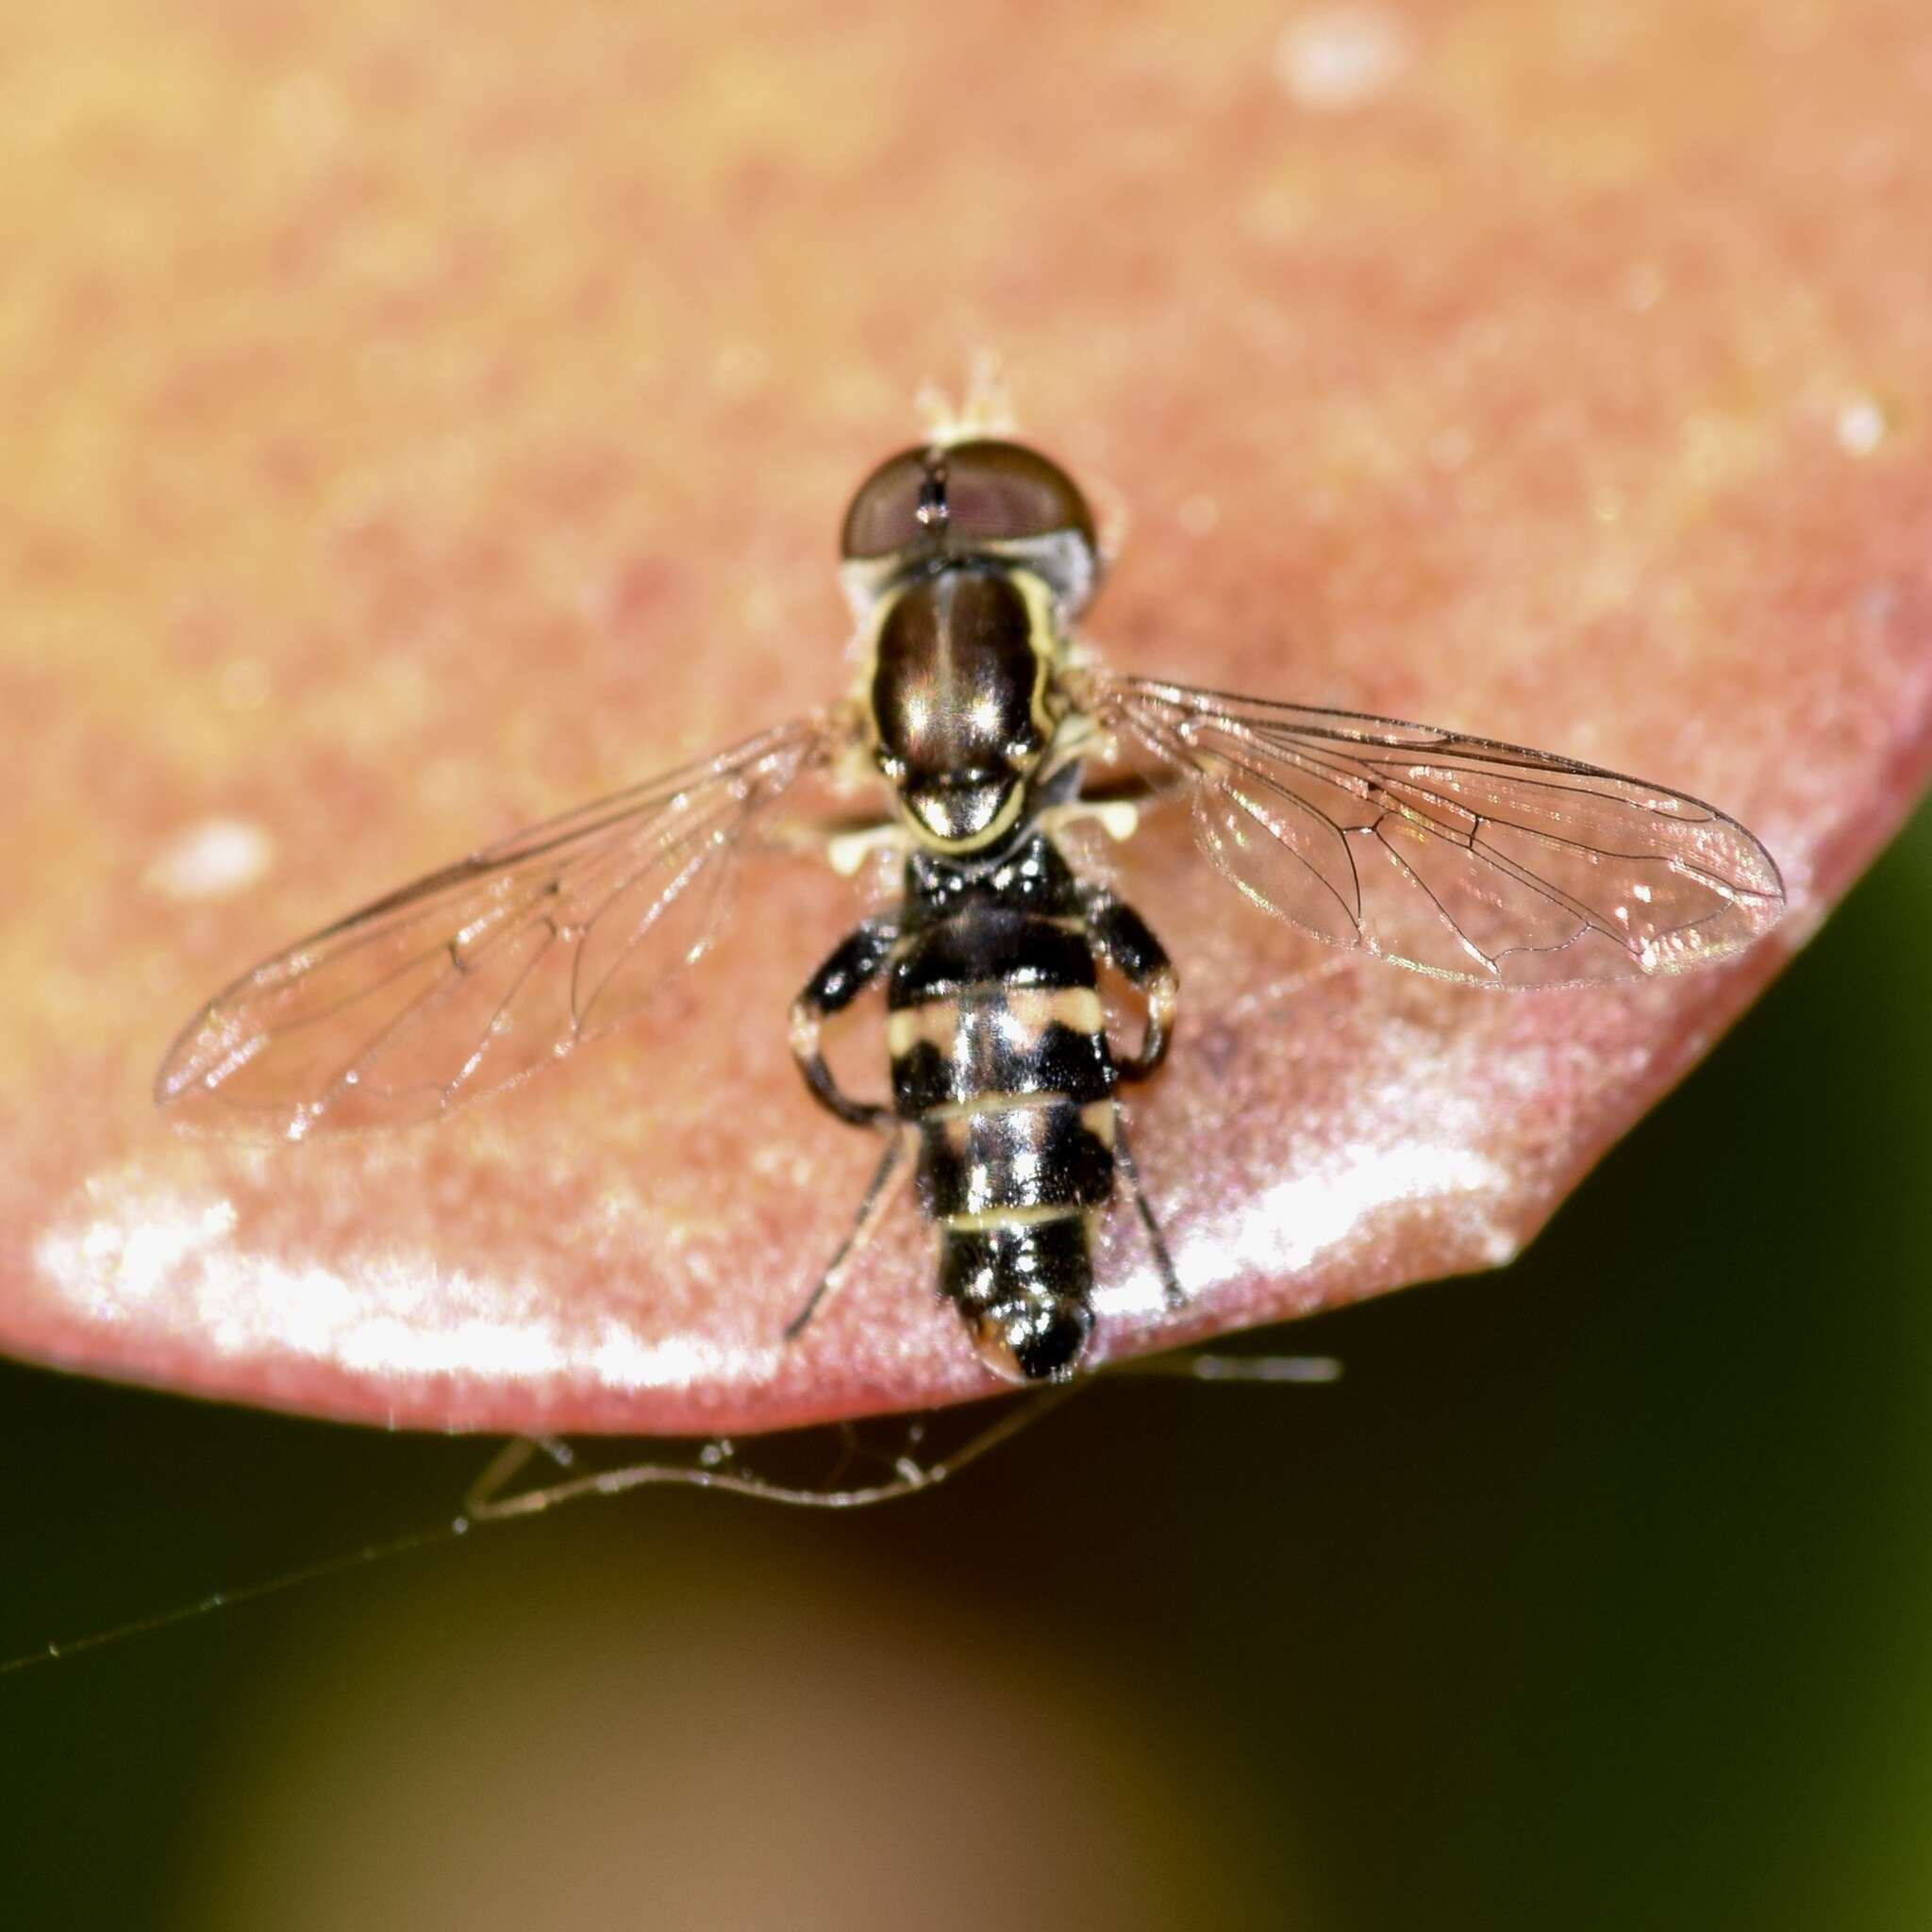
[[957, 694]]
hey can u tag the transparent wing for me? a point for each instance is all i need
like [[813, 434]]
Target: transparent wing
[[477, 975], [1455, 856]]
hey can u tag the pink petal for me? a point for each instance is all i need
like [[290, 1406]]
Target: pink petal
[[476, 455]]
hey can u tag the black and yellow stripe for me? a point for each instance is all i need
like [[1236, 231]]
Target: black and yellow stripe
[[1002, 1069], [999, 1054]]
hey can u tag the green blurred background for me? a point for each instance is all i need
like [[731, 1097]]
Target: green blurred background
[[1598, 1594]]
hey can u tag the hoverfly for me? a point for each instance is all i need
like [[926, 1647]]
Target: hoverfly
[[980, 714]]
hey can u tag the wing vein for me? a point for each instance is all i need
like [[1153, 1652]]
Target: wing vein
[[424, 998], [1507, 866]]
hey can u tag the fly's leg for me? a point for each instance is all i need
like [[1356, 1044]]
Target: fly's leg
[[856, 962], [1205, 1365], [1121, 937], [1118, 818], [846, 852], [864, 1226], [860, 1475], [1171, 1288], [845, 844], [859, 959], [480, 1504]]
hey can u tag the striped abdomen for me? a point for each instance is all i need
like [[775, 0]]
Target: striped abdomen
[[999, 1052]]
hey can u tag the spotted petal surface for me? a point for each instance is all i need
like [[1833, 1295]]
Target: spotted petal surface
[[411, 435]]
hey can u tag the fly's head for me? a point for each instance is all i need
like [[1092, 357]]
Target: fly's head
[[984, 498], [968, 560]]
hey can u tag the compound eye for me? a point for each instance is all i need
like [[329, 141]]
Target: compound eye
[[965, 494], [999, 492], [885, 514]]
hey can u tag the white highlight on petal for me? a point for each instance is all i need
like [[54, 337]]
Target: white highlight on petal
[[1860, 427], [157, 1259], [1339, 58], [1198, 514], [212, 859], [140, 1254], [1290, 1225]]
